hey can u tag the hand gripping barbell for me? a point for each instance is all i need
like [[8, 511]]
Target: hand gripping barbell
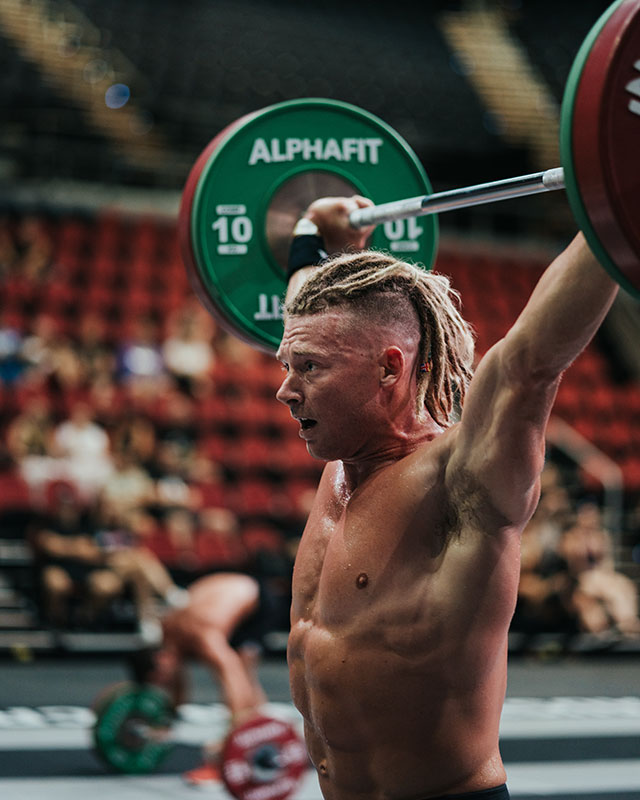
[[262, 758], [250, 185]]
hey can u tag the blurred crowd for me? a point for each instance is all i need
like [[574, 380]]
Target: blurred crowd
[[569, 583], [108, 473], [104, 467]]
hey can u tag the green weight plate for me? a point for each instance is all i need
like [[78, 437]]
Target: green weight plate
[[121, 715], [245, 195], [598, 139]]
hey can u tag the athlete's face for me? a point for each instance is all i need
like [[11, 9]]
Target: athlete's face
[[332, 383]]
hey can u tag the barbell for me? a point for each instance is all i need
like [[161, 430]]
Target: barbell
[[253, 181], [262, 758]]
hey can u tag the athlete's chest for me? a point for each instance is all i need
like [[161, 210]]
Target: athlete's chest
[[384, 543]]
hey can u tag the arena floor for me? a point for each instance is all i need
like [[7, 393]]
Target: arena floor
[[570, 729]]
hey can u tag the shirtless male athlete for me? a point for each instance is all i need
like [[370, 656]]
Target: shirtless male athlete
[[220, 626], [407, 572]]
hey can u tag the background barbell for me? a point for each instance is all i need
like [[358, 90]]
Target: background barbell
[[133, 734]]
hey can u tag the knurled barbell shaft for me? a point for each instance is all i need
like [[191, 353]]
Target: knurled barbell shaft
[[547, 181]]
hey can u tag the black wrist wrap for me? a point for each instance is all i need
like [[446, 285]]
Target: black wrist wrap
[[305, 251]]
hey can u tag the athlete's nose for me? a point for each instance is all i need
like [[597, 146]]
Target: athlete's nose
[[289, 392]]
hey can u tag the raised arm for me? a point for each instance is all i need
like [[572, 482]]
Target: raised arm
[[500, 440], [331, 217]]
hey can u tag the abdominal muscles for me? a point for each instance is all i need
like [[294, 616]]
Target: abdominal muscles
[[393, 721]]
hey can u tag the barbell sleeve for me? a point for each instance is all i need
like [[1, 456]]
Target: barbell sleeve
[[547, 181]]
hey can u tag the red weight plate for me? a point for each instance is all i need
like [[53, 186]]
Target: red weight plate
[[606, 135], [184, 222], [263, 759]]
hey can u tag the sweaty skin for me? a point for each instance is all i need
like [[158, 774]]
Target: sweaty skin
[[407, 572]]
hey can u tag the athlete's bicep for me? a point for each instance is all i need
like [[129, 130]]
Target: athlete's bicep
[[501, 435]]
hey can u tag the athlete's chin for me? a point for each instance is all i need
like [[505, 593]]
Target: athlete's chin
[[316, 452], [321, 452]]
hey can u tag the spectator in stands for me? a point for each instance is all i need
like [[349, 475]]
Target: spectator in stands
[[137, 437], [51, 359], [145, 529], [68, 377], [40, 344], [128, 487], [95, 354], [545, 588], [545, 591], [93, 562], [568, 580], [555, 502], [140, 364], [140, 570], [171, 474], [188, 348], [31, 432], [71, 567], [29, 440], [604, 599], [11, 362], [108, 401], [84, 450]]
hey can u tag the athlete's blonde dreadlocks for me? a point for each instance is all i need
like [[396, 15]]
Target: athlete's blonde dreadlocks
[[385, 289]]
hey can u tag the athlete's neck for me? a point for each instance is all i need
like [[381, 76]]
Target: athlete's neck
[[388, 450]]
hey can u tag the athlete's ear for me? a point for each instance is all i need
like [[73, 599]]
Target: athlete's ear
[[392, 365]]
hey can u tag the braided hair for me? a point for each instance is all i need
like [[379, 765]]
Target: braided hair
[[390, 291]]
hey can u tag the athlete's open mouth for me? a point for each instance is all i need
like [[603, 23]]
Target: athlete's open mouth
[[305, 424]]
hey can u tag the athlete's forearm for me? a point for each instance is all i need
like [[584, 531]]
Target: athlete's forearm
[[565, 310]]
